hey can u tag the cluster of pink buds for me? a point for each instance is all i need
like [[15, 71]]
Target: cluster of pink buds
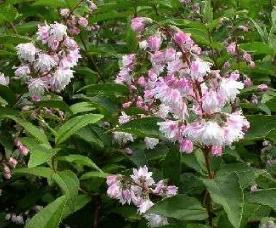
[[75, 22], [51, 68], [197, 103], [234, 50], [138, 189], [8, 165]]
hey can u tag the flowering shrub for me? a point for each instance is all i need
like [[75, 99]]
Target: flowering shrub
[[137, 113]]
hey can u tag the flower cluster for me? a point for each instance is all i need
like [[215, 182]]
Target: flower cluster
[[49, 69], [138, 189], [197, 103], [75, 22]]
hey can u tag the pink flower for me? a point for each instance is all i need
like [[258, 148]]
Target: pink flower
[[232, 48], [83, 22], [154, 42], [43, 33], [212, 102], [183, 40], [124, 118], [216, 150], [12, 162], [171, 190], [23, 150], [169, 129], [142, 176], [199, 69], [247, 82], [186, 146], [138, 23], [247, 57], [145, 205], [64, 12], [262, 87]]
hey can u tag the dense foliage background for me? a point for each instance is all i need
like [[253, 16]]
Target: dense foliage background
[[61, 182]]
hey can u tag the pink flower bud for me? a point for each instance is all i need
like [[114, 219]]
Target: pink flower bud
[[186, 146], [141, 81], [262, 87], [231, 48], [127, 104], [138, 23], [12, 162], [216, 150], [247, 82], [23, 150], [247, 57], [83, 22]]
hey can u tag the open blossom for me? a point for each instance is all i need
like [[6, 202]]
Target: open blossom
[[62, 78], [45, 62], [154, 42], [151, 142], [231, 48], [138, 23], [124, 118], [212, 102], [122, 137], [4, 80], [142, 176], [26, 52], [199, 69], [36, 88], [155, 220], [186, 146], [169, 128], [229, 89]]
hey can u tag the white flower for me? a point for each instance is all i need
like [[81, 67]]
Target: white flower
[[62, 78], [26, 51], [122, 137], [230, 88], [211, 102], [169, 129], [58, 31], [163, 111], [36, 87], [22, 71], [207, 133], [145, 205], [143, 45], [142, 176], [199, 69], [4, 80], [234, 126], [155, 220], [45, 62], [151, 142], [124, 118]]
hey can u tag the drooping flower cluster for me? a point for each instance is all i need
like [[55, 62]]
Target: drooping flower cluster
[[197, 103], [50, 68], [138, 190]]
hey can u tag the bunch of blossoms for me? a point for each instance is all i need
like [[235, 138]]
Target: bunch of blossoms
[[49, 68], [138, 189], [198, 104], [75, 22]]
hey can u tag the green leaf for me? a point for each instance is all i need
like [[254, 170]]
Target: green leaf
[[172, 165], [50, 216], [82, 107], [37, 171], [207, 11], [180, 207], [14, 39], [80, 160], [93, 175], [265, 197], [30, 128], [143, 127], [106, 89], [40, 153], [260, 126], [257, 48], [69, 184], [226, 191], [73, 125]]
